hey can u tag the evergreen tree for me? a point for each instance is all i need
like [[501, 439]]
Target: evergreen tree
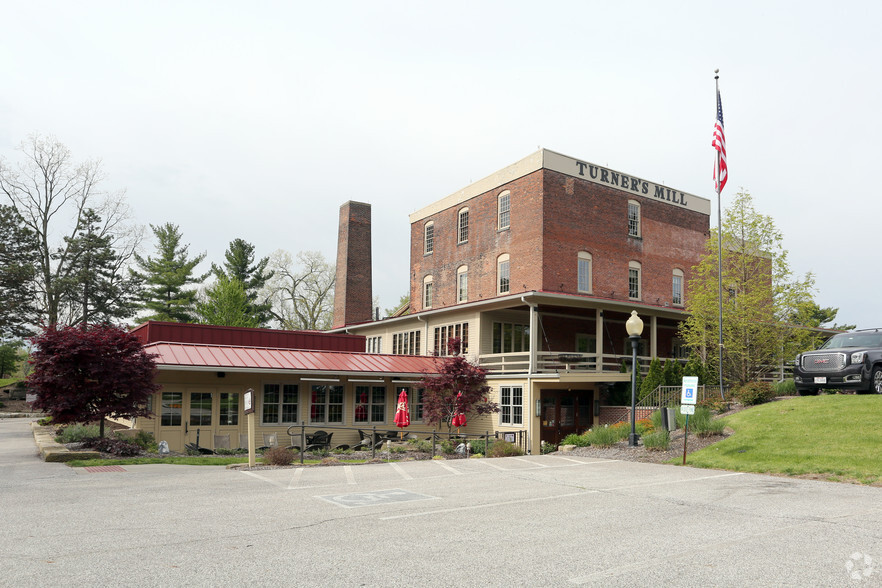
[[97, 288], [166, 277], [655, 377], [696, 368], [239, 265], [673, 373], [18, 254], [226, 303]]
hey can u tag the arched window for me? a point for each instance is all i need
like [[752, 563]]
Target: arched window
[[429, 238], [503, 275], [584, 272], [634, 229], [462, 283], [462, 226], [503, 206], [677, 288], [634, 280], [427, 292]]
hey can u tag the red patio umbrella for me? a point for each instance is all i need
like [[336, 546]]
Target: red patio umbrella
[[402, 414], [459, 418]]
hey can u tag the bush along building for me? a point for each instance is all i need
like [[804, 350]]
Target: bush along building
[[536, 268]]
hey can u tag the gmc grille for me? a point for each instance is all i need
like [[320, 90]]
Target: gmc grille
[[823, 362]]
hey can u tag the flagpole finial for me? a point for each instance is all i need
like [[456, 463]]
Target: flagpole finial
[[717, 72]]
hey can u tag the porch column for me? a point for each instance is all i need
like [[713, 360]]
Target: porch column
[[534, 335], [598, 337], [653, 336]]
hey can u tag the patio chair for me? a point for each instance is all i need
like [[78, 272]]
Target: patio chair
[[367, 440], [221, 442], [318, 440]]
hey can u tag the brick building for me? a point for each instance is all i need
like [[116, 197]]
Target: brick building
[[537, 267]]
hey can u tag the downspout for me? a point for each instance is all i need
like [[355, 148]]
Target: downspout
[[530, 371]]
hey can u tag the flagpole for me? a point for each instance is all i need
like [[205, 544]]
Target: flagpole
[[719, 249]]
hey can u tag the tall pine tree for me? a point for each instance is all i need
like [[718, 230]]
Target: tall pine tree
[[239, 265], [18, 255], [167, 276], [226, 303]]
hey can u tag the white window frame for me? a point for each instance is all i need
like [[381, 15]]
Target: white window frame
[[370, 404], [280, 404], [503, 274], [406, 342], [634, 266], [462, 226], [429, 238], [374, 344], [583, 273], [327, 404], [677, 288], [634, 220], [462, 284], [511, 412], [428, 291], [503, 211]]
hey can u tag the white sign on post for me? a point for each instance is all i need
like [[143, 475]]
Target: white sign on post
[[690, 390]]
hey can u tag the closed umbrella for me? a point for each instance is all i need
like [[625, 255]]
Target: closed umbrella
[[402, 414], [459, 418]]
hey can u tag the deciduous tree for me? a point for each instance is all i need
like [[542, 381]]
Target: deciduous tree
[[166, 277], [455, 375], [302, 293], [51, 193], [91, 372], [759, 293]]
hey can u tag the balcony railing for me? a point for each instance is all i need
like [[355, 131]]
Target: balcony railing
[[555, 362]]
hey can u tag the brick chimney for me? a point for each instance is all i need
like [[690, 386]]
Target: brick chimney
[[353, 297]]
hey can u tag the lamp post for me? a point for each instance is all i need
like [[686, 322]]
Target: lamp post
[[634, 326]]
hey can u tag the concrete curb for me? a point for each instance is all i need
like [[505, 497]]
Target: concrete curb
[[50, 450]]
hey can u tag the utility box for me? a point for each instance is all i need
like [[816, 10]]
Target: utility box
[[668, 418]]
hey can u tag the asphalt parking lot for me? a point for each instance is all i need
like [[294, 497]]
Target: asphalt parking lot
[[528, 521]]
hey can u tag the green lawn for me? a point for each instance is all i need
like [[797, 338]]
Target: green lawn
[[837, 437], [7, 381]]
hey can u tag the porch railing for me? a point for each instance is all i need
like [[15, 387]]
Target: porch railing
[[556, 362]]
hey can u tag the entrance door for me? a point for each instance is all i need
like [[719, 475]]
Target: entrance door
[[186, 417], [564, 412], [171, 420]]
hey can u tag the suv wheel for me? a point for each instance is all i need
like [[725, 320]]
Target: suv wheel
[[876, 380]]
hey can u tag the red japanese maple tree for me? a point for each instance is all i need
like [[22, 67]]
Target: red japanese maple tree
[[455, 375], [88, 373]]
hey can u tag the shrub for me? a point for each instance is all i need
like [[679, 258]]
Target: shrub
[[327, 461], [755, 393], [703, 424], [546, 448], [715, 405], [657, 441], [279, 456], [421, 445], [642, 427], [398, 449], [479, 446], [45, 421], [504, 449], [144, 440], [785, 388], [76, 433], [606, 436], [447, 446], [116, 446], [572, 439]]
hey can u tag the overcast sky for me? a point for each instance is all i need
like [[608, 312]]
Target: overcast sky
[[258, 120]]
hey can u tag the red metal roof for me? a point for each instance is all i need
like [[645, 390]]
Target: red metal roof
[[222, 357]]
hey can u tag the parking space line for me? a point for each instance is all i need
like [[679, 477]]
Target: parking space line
[[535, 464], [265, 479], [400, 471], [295, 479], [447, 467], [350, 475]]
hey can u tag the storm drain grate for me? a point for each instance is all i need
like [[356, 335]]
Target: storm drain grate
[[100, 469]]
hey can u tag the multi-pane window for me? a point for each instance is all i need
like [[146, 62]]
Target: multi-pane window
[[416, 403], [511, 405], [633, 218], [503, 277], [370, 404], [428, 292], [172, 405], [634, 280], [406, 343], [444, 334], [229, 408], [374, 344], [280, 403], [586, 343], [462, 284], [584, 271], [200, 409], [326, 404], [677, 288], [429, 238], [462, 233], [510, 338], [504, 206]]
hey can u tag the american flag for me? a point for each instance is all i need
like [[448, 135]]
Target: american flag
[[721, 170]]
